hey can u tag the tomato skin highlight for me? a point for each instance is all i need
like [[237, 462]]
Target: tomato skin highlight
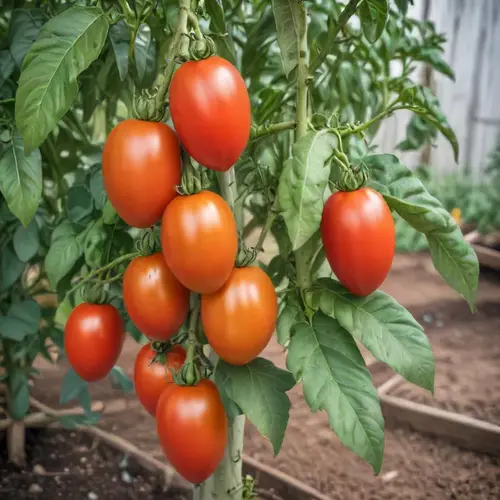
[[359, 238], [155, 300], [210, 110], [192, 427], [93, 340], [141, 166], [199, 240], [240, 318], [152, 379]]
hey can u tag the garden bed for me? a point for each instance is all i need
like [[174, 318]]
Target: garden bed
[[72, 465]]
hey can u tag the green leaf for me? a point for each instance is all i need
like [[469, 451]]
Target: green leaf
[[119, 35], [289, 315], [66, 46], [291, 24], [225, 46], [302, 184], [24, 29], [7, 66], [403, 5], [79, 203], [23, 318], [63, 253], [145, 53], [120, 380], [21, 179], [455, 259], [385, 328], [259, 388], [325, 358], [26, 241], [426, 104], [373, 15], [72, 387], [97, 189], [93, 244], [19, 394], [11, 268], [74, 421]]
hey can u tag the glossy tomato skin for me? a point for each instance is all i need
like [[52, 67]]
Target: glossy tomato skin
[[199, 240], [192, 427], [210, 110], [155, 300], [240, 318], [358, 235], [151, 379], [93, 340], [141, 166]]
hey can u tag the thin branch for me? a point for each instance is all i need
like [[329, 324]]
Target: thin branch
[[271, 128]]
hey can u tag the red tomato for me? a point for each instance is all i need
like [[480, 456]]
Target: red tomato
[[210, 109], [240, 318], [199, 240], [141, 166], [358, 234], [155, 300], [151, 379], [192, 427], [93, 340]]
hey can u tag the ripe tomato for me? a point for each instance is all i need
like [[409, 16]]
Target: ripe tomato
[[210, 109], [151, 379], [199, 240], [155, 300], [141, 166], [358, 234], [240, 318], [93, 340], [192, 427]]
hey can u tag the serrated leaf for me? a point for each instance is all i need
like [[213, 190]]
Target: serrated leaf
[[291, 25], [22, 319], [11, 268], [289, 315], [259, 389], [302, 184], [385, 328], [7, 66], [97, 189], [20, 394], [24, 29], [373, 15], [21, 179], [325, 358], [63, 253], [119, 35], [79, 203], [455, 259], [142, 48], [26, 241], [120, 380], [66, 46], [225, 46]]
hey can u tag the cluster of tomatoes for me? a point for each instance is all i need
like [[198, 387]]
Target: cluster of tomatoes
[[210, 109]]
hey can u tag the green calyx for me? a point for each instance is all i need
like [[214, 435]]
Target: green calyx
[[202, 48], [350, 178], [95, 294], [149, 242], [145, 106], [194, 179]]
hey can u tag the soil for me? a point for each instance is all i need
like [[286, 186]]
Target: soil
[[467, 350], [70, 465]]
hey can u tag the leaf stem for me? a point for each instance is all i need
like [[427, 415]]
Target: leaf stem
[[172, 53], [344, 17], [271, 128], [5, 101], [271, 217]]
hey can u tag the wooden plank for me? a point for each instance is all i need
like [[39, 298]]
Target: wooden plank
[[487, 256], [283, 486], [464, 431]]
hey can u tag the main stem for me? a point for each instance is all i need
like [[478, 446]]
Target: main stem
[[227, 481], [301, 264]]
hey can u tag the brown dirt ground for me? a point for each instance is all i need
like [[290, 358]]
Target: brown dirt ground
[[467, 350]]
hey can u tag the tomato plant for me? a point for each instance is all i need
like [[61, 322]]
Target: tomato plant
[[141, 166], [153, 375], [357, 230], [219, 133], [199, 240], [93, 339], [240, 318], [155, 301], [125, 125], [192, 427]]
